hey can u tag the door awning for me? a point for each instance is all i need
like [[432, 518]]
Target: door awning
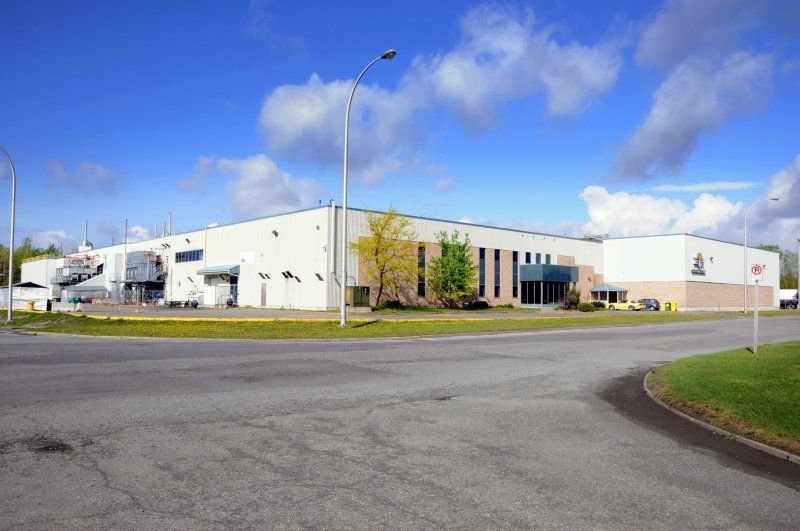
[[607, 287], [219, 270]]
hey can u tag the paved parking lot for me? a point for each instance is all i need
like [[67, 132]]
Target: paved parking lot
[[510, 430]]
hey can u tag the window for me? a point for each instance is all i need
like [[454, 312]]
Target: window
[[481, 272], [189, 256], [547, 259], [538, 258], [497, 273], [515, 274], [421, 270], [527, 258]]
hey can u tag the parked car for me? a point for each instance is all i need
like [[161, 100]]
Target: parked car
[[651, 304], [626, 305], [789, 299]]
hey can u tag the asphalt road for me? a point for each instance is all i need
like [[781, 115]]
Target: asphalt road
[[514, 430]]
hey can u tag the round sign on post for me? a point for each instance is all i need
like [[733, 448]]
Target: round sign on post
[[757, 270]]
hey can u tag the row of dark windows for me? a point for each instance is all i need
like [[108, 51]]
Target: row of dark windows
[[514, 269], [189, 256], [538, 258]]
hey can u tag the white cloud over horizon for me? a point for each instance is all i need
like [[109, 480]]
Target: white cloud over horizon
[[255, 185], [626, 214], [59, 238], [503, 54]]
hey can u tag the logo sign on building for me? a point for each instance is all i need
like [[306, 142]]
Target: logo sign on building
[[698, 265], [757, 271]]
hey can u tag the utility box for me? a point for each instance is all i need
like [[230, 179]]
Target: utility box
[[357, 296], [671, 306]]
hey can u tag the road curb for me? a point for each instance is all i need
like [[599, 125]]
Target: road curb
[[777, 452]]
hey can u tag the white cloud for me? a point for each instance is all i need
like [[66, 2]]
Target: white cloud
[[704, 187], [88, 177], [503, 55], [465, 219], [307, 122], [137, 233], [255, 185], [259, 187], [624, 214], [685, 27], [695, 99], [59, 238]]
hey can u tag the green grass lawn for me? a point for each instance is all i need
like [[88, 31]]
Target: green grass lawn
[[755, 396], [326, 329], [435, 309]]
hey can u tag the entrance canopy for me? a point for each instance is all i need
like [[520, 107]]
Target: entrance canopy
[[219, 270], [609, 293]]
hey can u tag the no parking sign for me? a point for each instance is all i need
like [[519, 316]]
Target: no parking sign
[[757, 271]]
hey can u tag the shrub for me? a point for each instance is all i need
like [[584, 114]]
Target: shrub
[[477, 305], [600, 305], [585, 307], [571, 300], [391, 305], [503, 306]]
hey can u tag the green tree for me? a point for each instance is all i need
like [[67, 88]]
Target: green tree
[[389, 253], [788, 265], [453, 277]]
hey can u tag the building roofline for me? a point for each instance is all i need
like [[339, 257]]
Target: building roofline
[[689, 235], [476, 225], [221, 225]]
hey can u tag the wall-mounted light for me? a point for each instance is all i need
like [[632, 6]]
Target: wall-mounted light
[[275, 233], [187, 240], [319, 276], [297, 279]]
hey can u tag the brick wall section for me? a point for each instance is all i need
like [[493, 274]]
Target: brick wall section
[[698, 295], [708, 295], [506, 278], [586, 276], [489, 275]]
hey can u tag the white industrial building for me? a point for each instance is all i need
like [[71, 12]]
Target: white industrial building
[[291, 261]]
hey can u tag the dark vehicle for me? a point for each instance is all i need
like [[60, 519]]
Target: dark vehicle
[[789, 299], [651, 304]]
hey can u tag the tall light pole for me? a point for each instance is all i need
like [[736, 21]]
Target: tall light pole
[[11, 238], [745, 245], [389, 54]]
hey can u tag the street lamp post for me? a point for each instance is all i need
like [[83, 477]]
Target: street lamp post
[[389, 54], [11, 238], [745, 245]]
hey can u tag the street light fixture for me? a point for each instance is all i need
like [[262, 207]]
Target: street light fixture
[[11, 238], [744, 281], [388, 54]]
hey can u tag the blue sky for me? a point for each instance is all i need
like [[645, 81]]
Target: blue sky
[[566, 117]]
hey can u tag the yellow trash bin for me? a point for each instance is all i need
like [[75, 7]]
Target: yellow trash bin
[[30, 305], [673, 306]]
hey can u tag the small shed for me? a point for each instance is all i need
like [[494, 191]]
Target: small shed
[[25, 292], [609, 293]]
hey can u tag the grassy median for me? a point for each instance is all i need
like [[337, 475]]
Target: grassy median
[[325, 329], [755, 396]]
